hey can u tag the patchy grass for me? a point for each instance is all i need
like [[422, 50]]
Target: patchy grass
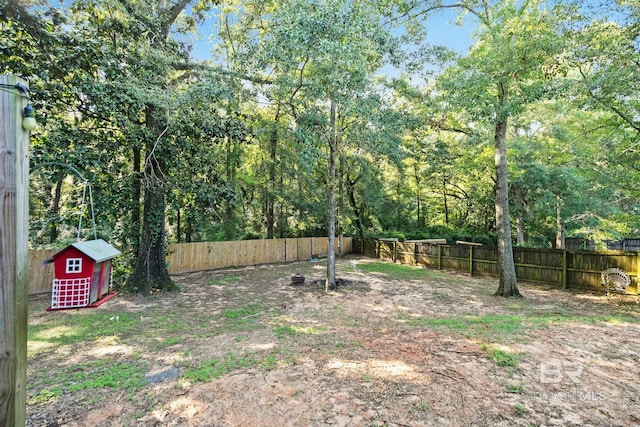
[[502, 328], [250, 310], [96, 375], [490, 328], [289, 330], [398, 271], [224, 280], [397, 342], [516, 388], [211, 369], [501, 357], [69, 328]]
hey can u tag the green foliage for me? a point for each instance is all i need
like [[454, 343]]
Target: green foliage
[[237, 146]]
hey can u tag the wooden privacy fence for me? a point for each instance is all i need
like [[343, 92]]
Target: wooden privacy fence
[[186, 257], [567, 269]]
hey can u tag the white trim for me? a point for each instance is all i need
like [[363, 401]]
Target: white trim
[[73, 265]]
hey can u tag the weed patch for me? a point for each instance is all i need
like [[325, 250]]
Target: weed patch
[[215, 368], [398, 271], [289, 330], [70, 329], [94, 375], [488, 328], [246, 311], [224, 280], [501, 357], [506, 327]]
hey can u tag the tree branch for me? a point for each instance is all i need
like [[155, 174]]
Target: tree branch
[[190, 66], [171, 15]]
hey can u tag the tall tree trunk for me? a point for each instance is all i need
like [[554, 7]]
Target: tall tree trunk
[[560, 236], [188, 233], [340, 204], [420, 216], [229, 224], [151, 272], [357, 212], [398, 205], [282, 212], [273, 150], [178, 226], [135, 202], [446, 204], [55, 211], [330, 282], [508, 285], [520, 231], [282, 222]]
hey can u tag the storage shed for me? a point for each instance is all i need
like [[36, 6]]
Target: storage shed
[[82, 274]]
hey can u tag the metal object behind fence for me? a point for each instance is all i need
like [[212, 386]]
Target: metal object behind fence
[[615, 280]]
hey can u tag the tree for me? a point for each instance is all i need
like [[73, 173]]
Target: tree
[[319, 56], [118, 107], [505, 70], [605, 81]]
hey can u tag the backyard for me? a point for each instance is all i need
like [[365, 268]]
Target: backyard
[[392, 346]]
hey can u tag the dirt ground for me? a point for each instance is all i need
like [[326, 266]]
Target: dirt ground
[[438, 350]]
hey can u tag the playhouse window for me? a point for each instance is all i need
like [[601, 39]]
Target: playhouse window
[[74, 265]]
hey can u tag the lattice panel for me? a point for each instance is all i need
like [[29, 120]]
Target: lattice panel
[[69, 293]]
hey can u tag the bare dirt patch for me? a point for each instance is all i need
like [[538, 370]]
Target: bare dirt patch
[[251, 349]]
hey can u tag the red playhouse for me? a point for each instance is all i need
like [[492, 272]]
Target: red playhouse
[[82, 275]]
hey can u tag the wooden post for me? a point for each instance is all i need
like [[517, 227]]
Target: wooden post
[[637, 273], [439, 257], [14, 256], [564, 269], [471, 260], [285, 250]]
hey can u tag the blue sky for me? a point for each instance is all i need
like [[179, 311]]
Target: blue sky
[[442, 30]]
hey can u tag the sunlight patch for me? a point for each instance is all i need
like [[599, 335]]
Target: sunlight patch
[[267, 346], [55, 333], [107, 350], [375, 368], [185, 407], [35, 347]]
